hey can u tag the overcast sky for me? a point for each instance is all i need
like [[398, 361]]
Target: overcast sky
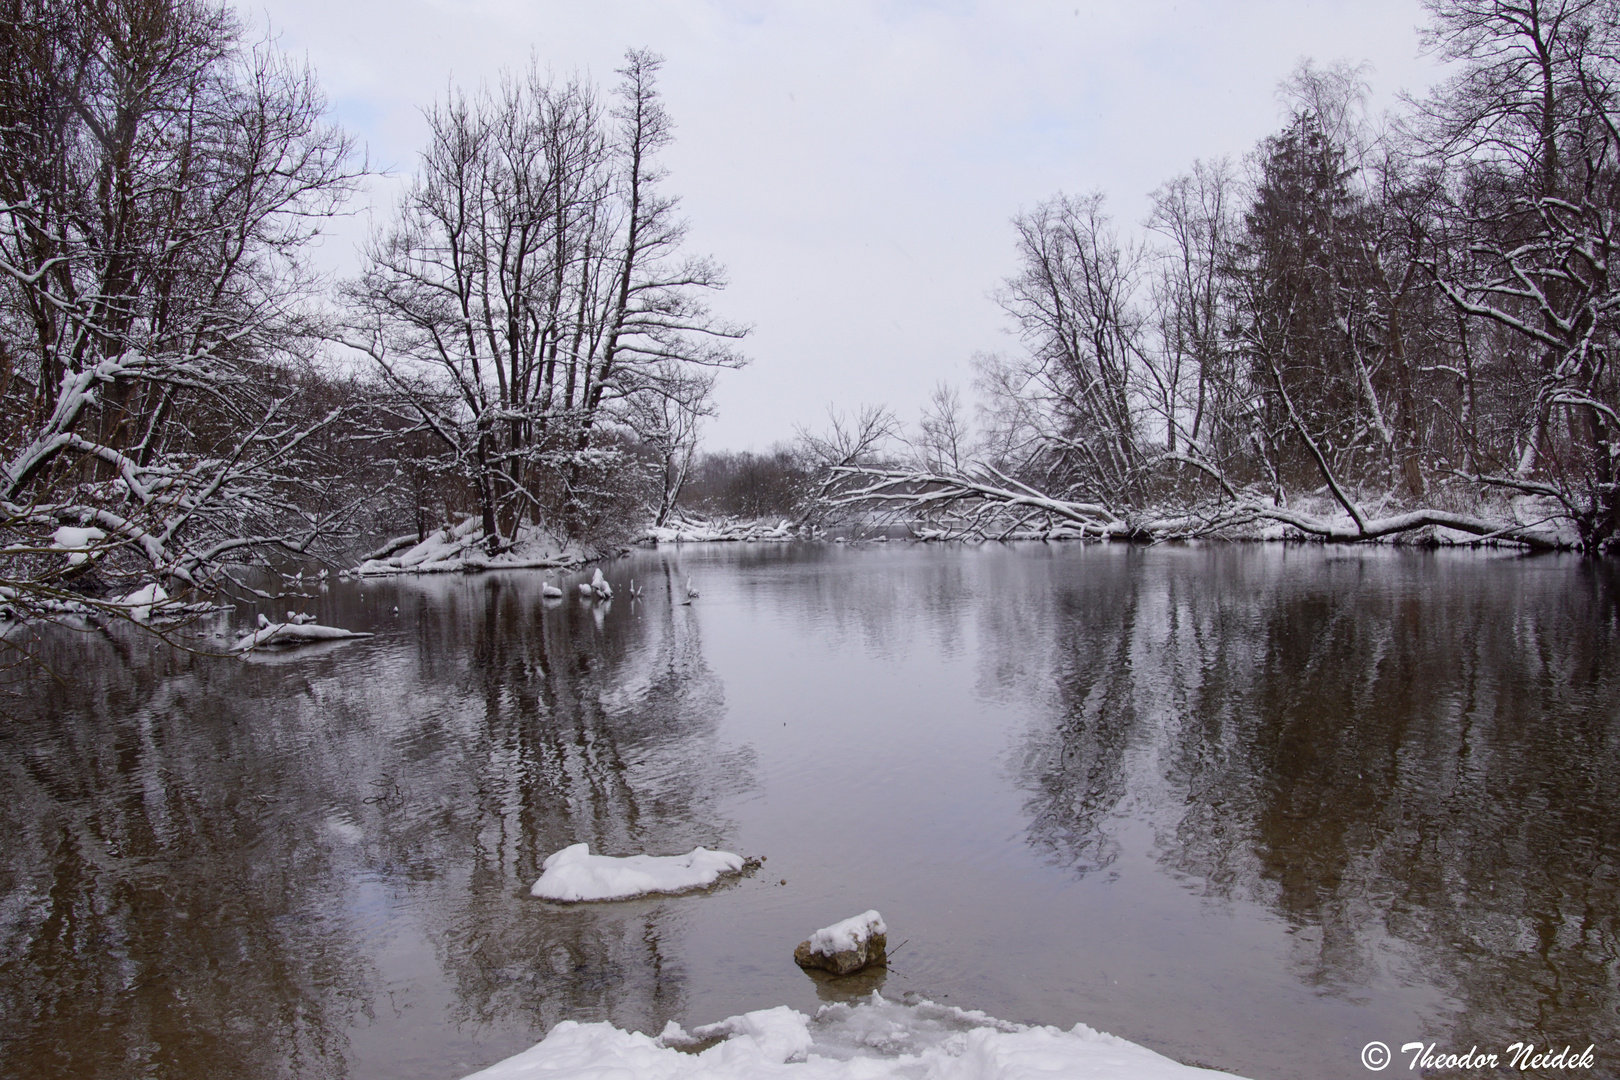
[[855, 165]]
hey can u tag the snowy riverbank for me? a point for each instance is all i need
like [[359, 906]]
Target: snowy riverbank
[[457, 548], [723, 530]]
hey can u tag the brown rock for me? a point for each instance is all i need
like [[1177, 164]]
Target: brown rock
[[871, 951]]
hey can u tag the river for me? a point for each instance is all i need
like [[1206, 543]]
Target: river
[[1252, 806]]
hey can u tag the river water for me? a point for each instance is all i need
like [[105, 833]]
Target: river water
[[1252, 806]]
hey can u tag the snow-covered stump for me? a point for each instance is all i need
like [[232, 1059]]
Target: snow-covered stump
[[845, 947]]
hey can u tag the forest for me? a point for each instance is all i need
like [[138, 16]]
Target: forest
[[1366, 327], [1369, 328]]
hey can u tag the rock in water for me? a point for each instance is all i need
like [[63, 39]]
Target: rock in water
[[845, 946]]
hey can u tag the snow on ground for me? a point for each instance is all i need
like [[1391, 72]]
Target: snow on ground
[[849, 934], [875, 1039], [720, 529], [575, 874], [461, 547]]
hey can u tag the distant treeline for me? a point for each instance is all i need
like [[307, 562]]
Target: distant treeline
[[744, 484]]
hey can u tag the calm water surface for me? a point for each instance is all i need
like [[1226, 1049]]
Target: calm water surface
[[1250, 806]]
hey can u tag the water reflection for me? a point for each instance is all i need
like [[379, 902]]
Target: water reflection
[[1412, 759], [1372, 784], [162, 915], [201, 855]]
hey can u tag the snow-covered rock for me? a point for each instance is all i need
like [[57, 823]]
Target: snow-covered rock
[[846, 946], [875, 1039], [600, 586], [574, 874], [143, 600]]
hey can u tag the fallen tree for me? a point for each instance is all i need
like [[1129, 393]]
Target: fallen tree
[[984, 502]]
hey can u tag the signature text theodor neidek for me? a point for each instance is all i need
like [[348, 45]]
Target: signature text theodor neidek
[[1520, 1055]]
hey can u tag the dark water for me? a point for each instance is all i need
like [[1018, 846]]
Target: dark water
[[1252, 807]]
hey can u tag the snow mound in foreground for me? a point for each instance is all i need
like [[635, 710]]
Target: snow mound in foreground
[[876, 1039], [575, 874]]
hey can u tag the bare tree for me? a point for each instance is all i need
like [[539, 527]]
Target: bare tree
[[1294, 352], [536, 271], [667, 423], [1528, 129], [159, 183], [1198, 394], [849, 439], [747, 484], [848, 442], [944, 440], [1073, 303]]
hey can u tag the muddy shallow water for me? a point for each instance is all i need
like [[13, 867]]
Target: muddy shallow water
[[1251, 806]]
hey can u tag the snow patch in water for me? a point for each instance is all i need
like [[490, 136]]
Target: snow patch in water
[[574, 874], [143, 600]]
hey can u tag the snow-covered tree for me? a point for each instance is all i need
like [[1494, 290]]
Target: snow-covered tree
[[1528, 130], [532, 294], [160, 180]]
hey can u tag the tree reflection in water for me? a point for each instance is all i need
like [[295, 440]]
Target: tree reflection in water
[[164, 915], [1413, 759], [1264, 788], [207, 861]]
